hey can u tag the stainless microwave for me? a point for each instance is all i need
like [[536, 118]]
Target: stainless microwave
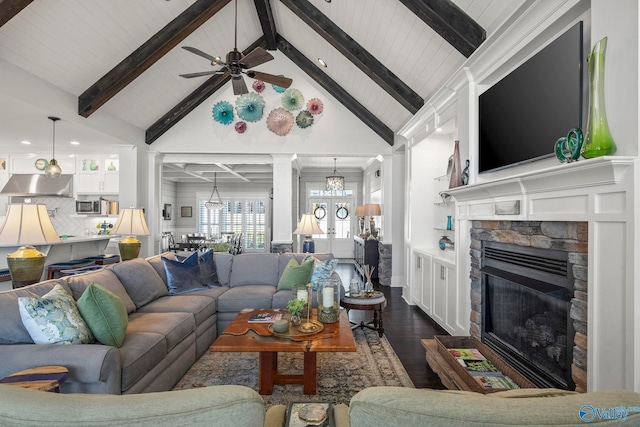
[[88, 206]]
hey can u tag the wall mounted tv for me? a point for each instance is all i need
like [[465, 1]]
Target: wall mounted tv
[[523, 115]]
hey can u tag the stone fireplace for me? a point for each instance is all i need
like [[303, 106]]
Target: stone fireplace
[[528, 297], [588, 210]]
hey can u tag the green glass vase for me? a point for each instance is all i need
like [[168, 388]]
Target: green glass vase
[[598, 140]]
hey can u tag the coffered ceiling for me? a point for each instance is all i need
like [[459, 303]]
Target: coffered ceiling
[[123, 57]]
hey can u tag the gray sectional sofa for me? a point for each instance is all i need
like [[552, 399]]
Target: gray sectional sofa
[[165, 334]]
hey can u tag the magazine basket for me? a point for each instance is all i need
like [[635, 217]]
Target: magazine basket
[[446, 342]]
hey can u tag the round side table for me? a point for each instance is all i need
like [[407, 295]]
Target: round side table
[[376, 304]]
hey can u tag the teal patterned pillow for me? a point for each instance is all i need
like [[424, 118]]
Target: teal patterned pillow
[[54, 318], [322, 270]]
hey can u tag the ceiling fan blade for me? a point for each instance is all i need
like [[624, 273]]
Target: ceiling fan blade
[[198, 52], [239, 86], [270, 78], [203, 73], [256, 57]]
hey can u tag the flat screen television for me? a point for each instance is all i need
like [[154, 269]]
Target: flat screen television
[[523, 115]]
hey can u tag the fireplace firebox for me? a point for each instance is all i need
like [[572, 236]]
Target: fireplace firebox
[[526, 294]]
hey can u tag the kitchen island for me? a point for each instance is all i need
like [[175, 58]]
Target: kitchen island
[[70, 248]]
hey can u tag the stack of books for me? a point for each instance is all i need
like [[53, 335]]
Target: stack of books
[[483, 371]]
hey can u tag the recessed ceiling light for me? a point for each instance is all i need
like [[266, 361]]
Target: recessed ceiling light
[[438, 129], [25, 142], [74, 143], [321, 61]]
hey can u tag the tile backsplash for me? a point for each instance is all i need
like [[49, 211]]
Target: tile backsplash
[[63, 216]]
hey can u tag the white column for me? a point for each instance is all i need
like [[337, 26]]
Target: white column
[[387, 199], [150, 201], [397, 226], [282, 199]]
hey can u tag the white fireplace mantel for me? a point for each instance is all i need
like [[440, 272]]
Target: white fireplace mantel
[[602, 192]]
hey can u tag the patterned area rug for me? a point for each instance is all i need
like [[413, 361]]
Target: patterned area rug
[[340, 375]]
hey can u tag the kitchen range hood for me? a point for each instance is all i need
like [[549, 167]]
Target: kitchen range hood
[[38, 185]]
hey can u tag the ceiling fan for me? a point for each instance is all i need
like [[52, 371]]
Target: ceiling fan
[[238, 64]]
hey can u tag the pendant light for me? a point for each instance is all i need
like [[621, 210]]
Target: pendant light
[[53, 170], [217, 203], [335, 181]]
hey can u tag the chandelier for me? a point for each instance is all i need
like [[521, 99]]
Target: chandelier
[[335, 181], [216, 203]]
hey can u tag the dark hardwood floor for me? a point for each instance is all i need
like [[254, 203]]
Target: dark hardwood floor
[[404, 327]]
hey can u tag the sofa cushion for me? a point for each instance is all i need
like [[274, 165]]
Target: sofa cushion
[[140, 352], [158, 266], [322, 269], [211, 293], [249, 296], [254, 269], [295, 274], [175, 326], [140, 280], [54, 318], [12, 331], [201, 307], [105, 313], [106, 278], [223, 267], [281, 298], [183, 276]]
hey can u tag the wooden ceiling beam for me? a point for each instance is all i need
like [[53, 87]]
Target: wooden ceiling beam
[[263, 7], [194, 99], [450, 22], [10, 8], [335, 89], [357, 54], [147, 54]]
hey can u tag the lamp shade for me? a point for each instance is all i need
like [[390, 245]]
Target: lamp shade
[[27, 225], [360, 210], [308, 226], [131, 223], [372, 209]]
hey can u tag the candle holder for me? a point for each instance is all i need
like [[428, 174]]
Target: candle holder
[[308, 326], [328, 301]]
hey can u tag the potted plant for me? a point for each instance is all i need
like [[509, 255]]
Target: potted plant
[[296, 307]]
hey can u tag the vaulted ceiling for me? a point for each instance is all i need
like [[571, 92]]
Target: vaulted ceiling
[[384, 57]]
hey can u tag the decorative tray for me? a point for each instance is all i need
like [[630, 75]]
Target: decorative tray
[[294, 331], [374, 294]]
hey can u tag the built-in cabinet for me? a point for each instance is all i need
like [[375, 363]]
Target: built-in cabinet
[[435, 287], [444, 224], [97, 175]]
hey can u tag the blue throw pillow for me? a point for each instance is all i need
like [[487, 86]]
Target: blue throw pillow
[[208, 269], [183, 277], [322, 270]]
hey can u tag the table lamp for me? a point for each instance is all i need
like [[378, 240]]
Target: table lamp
[[25, 226], [130, 223], [308, 226], [372, 209]]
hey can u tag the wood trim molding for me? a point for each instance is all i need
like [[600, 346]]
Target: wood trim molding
[[147, 54], [357, 54], [335, 90], [194, 99], [10, 8], [450, 22]]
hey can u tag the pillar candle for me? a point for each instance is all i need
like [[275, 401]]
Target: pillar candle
[[327, 297], [302, 295]]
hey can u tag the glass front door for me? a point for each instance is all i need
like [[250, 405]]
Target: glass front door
[[335, 218]]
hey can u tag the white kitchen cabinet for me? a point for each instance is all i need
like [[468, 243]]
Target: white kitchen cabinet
[[98, 175], [4, 201], [37, 163]]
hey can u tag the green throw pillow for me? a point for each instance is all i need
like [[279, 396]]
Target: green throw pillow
[[295, 274], [105, 313]]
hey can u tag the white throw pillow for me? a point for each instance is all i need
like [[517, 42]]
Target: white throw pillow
[[54, 318]]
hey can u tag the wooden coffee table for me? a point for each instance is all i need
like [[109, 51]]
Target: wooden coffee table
[[43, 378], [242, 336]]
